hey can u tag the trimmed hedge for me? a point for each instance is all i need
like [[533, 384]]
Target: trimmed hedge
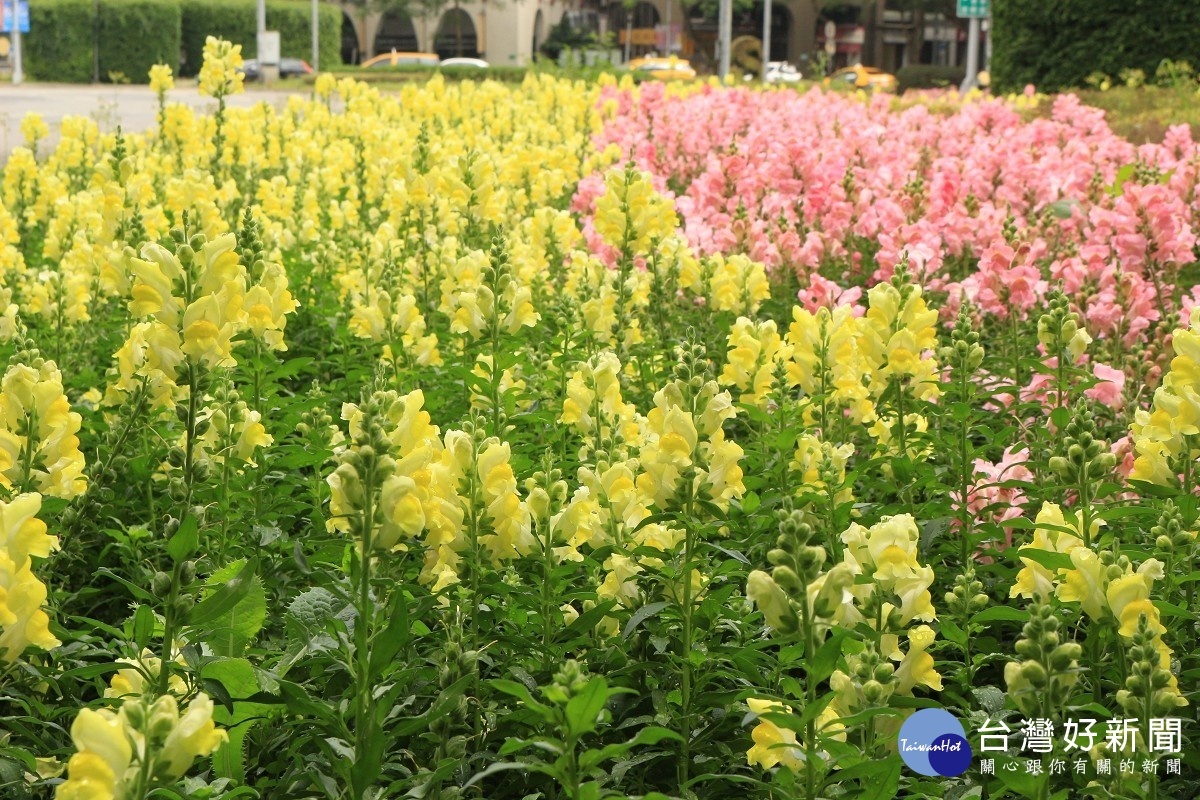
[[236, 20], [1056, 45], [928, 76], [61, 43], [137, 34]]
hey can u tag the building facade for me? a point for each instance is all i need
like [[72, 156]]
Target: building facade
[[511, 32], [506, 33]]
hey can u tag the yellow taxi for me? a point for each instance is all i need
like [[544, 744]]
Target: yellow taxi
[[663, 68], [860, 77], [394, 59]]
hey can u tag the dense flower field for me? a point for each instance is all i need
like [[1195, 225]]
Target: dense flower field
[[578, 441]]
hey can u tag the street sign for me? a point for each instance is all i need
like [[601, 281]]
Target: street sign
[[974, 9], [6, 15], [830, 37]]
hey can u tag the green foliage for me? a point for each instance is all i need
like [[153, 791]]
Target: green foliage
[[65, 34], [235, 20], [1058, 45], [928, 76], [61, 41], [153, 24]]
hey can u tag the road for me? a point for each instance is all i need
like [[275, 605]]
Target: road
[[134, 108]]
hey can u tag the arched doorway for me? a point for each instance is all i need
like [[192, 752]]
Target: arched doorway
[[396, 32], [750, 23], [539, 36], [455, 37], [645, 15], [351, 51]]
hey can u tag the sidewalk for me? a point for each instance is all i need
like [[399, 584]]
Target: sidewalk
[[133, 108]]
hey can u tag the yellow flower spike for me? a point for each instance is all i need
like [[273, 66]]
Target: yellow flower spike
[[916, 667], [219, 74], [772, 601], [104, 736], [34, 128], [1085, 583], [193, 736], [773, 745], [23, 534], [1035, 580], [161, 79], [22, 620], [91, 778]]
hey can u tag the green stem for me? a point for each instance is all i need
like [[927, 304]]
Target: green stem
[[363, 700], [810, 697], [686, 676], [169, 624]]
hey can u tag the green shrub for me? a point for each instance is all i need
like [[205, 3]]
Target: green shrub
[[137, 34], [1057, 45], [928, 76], [131, 36], [236, 20], [61, 42]]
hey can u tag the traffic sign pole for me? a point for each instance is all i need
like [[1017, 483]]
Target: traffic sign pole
[[18, 75], [972, 77], [766, 42], [976, 11], [724, 36]]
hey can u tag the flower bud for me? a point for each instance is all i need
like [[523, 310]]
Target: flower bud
[[160, 584]]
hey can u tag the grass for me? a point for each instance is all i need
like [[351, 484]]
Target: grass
[[1144, 114]]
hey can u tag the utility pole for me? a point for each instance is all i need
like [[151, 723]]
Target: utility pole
[[628, 34], [724, 37], [316, 36], [18, 75], [766, 40]]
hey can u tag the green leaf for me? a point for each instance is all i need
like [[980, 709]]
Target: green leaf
[[583, 709], [394, 637], [641, 615], [238, 679], [1018, 780], [826, 658], [143, 626], [1001, 614], [137, 591], [883, 782], [652, 735], [1047, 558], [230, 633], [521, 692], [225, 599], [952, 633], [184, 542]]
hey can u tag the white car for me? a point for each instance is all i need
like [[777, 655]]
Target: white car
[[464, 62], [782, 72]]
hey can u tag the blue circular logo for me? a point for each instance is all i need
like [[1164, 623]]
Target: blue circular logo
[[932, 742]]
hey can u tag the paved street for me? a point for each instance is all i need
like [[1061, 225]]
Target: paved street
[[132, 107]]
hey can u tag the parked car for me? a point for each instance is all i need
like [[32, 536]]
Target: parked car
[[662, 68], [464, 62], [395, 59], [862, 77], [288, 68]]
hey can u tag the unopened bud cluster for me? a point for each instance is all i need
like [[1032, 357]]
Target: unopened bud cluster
[[1043, 679], [1148, 688], [967, 597], [1084, 459]]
